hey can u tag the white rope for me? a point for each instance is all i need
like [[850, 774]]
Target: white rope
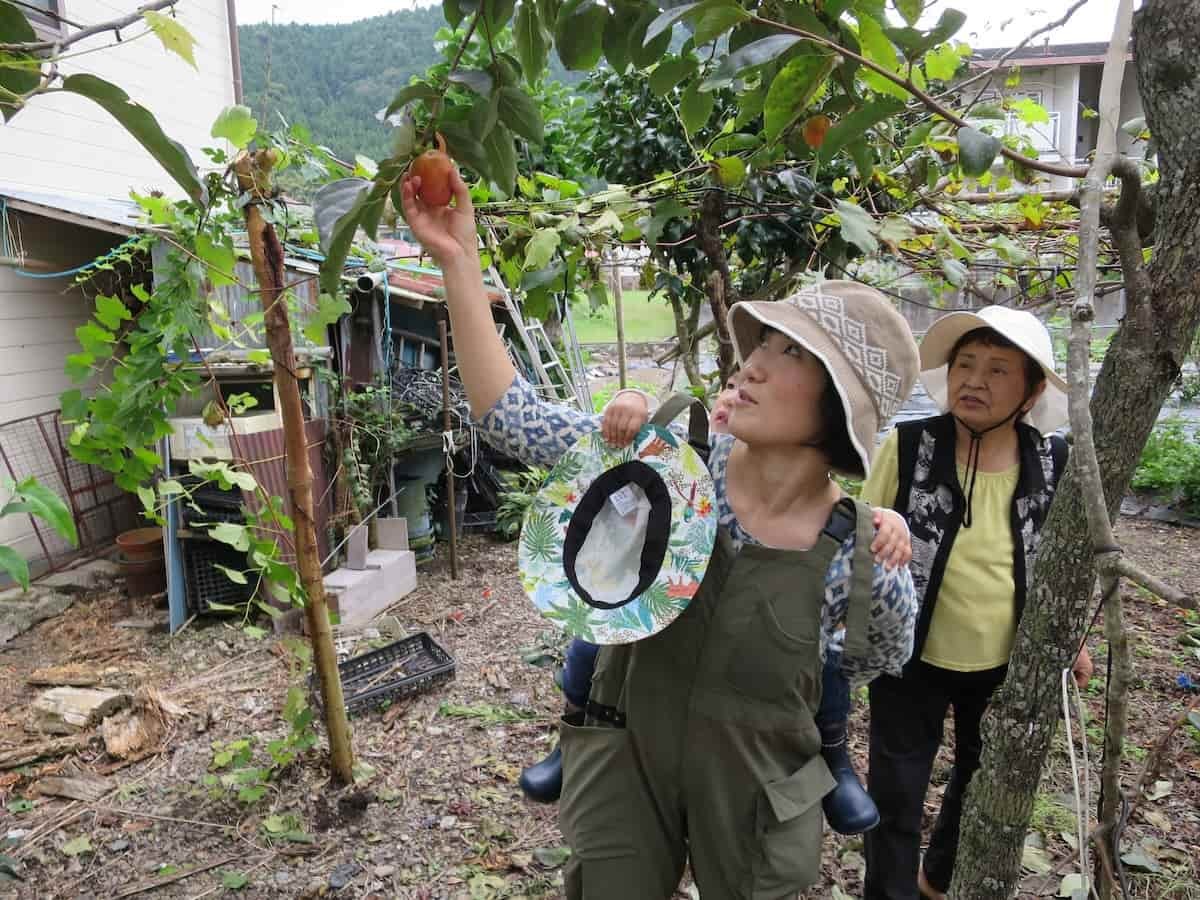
[[448, 449], [1084, 803]]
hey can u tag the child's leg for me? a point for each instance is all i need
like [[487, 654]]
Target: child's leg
[[543, 780], [848, 807], [577, 671]]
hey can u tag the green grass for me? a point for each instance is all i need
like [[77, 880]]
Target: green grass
[[645, 320]]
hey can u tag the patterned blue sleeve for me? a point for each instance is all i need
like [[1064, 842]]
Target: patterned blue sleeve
[[530, 428], [892, 627]]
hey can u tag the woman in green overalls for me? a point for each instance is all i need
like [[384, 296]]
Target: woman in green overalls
[[699, 742]]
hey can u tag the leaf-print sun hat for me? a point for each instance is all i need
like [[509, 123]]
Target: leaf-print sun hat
[[615, 544]]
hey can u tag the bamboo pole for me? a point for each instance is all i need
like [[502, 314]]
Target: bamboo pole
[[266, 255], [448, 428]]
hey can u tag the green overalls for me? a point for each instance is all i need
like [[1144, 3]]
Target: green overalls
[[700, 740]]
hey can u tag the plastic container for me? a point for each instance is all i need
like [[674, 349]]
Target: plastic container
[[141, 544], [207, 585], [411, 665], [143, 576]]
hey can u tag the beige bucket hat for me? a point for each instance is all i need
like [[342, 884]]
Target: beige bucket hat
[[1022, 328], [864, 343]]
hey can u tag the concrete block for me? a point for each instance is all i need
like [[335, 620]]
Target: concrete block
[[360, 596], [356, 548], [391, 534]]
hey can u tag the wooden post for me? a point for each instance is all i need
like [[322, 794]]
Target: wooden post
[[447, 426], [619, 315], [266, 254]]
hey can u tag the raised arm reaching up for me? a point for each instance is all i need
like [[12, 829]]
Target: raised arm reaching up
[[448, 234]]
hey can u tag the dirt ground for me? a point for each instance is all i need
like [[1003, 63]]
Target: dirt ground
[[440, 815]]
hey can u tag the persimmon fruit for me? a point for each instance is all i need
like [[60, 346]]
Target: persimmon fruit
[[434, 167], [815, 129]]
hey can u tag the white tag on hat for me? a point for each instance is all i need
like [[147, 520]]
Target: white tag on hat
[[624, 501]]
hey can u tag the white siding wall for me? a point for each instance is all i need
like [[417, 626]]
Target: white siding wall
[[38, 318], [67, 144]]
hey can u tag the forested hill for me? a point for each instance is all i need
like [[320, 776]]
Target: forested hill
[[334, 78]]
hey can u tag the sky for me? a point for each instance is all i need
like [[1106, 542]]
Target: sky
[[990, 23]]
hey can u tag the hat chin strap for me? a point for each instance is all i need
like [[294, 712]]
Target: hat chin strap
[[975, 447]]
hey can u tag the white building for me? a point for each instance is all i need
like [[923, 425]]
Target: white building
[[1065, 79], [66, 172]]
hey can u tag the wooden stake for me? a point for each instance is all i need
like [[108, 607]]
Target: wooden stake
[[619, 315], [447, 427], [266, 254]]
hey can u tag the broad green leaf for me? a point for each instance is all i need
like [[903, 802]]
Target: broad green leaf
[[544, 280], [941, 63], [857, 226], [579, 32], [857, 124], [734, 143], [476, 80], [146, 495], [797, 85], [465, 147], [233, 575], [753, 54], [714, 21], [173, 35], [144, 128], [407, 95], [74, 405], [948, 25], [976, 151], [169, 487], [341, 237], [77, 846], [666, 20], [520, 114], [330, 308], [643, 52], [530, 37], [236, 536], [956, 273], [730, 170], [875, 44], [236, 124], [910, 10], [111, 312], [79, 366], [497, 13], [95, 340], [502, 157], [695, 107], [484, 115], [617, 37], [540, 249], [19, 72], [864, 158], [597, 296], [608, 221], [14, 566], [220, 260], [895, 229], [233, 881], [452, 12], [664, 212], [259, 357], [1029, 111], [670, 72]]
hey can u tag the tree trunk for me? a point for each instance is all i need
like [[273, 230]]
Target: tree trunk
[[1142, 365], [718, 284], [266, 254], [685, 333]]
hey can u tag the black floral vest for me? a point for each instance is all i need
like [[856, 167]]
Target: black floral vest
[[932, 501]]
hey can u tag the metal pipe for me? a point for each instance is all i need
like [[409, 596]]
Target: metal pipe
[[235, 53]]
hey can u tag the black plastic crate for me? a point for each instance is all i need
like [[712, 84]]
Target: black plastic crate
[[210, 514], [411, 665], [207, 585]]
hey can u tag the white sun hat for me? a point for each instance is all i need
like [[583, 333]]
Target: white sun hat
[[1025, 330]]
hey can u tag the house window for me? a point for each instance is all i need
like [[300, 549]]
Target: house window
[[43, 15]]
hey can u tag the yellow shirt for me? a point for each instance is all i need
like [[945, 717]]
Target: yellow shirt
[[975, 617]]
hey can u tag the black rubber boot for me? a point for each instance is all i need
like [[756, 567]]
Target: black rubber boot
[[849, 809], [542, 782]]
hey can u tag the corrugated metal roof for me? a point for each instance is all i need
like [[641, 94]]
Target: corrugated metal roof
[[103, 213]]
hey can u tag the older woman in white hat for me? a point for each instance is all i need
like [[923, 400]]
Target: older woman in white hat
[[698, 744], [975, 485]]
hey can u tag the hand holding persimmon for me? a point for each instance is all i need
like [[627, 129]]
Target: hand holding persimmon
[[433, 168]]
